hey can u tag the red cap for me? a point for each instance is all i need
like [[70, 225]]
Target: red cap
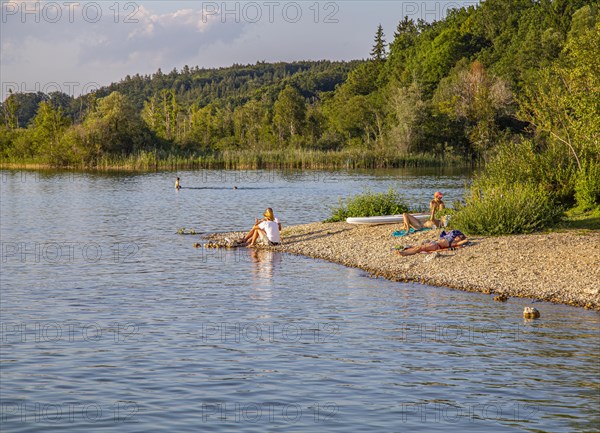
[[438, 194]]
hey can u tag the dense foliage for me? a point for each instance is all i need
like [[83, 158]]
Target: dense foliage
[[512, 83], [507, 209]]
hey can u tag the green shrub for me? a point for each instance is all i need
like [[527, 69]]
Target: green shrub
[[507, 209], [369, 204], [587, 187], [526, 162]]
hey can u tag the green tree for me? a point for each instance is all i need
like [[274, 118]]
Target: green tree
[[152, 114], [315, 124], [379, 51], [10, 108], [114, 127], [289, 114], [436, 59], [401, 49], [408, 110], [162, 114], [48, 127], [353, 117], [563, 102], [251, 123], [477, 99], [203, 129]]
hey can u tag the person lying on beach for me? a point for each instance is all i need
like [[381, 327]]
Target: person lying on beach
[[435, 205], [453, 239], [265, 230]]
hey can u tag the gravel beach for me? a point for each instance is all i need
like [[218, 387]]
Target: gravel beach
[[560, 267]]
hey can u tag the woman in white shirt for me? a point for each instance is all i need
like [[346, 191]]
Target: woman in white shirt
[[266, 230]]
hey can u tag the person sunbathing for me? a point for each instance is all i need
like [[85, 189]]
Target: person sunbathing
[[434, 206], [450, 240]]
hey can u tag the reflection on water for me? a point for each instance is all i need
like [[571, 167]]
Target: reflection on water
[[265, 262], [111, 321]]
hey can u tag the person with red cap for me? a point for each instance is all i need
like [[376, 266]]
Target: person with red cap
[[435, 205]]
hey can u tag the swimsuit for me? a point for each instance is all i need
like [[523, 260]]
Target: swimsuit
[[450, 236]]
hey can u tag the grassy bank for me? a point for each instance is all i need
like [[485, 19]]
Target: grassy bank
[[252, 160]]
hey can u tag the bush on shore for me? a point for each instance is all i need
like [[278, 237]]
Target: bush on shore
[[507, 209], [526, 162], [587, 187], [369, 204]]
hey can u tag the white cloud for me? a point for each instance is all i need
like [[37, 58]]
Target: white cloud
[[84, 43], [137, 29]]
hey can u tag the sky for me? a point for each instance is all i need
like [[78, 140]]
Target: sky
[[78, 46]]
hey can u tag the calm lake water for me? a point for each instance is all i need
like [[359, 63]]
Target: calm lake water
[[110, 321]]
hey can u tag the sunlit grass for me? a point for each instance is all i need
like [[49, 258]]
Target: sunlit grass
[[576, 219]]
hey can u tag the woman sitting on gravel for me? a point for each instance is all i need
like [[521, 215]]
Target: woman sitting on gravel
[[435, 205], [453, 239], [266, 230]]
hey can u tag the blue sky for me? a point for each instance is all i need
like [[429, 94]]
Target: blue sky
[[74, 46]]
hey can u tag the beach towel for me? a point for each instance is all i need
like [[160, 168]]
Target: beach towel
[[400, 233]]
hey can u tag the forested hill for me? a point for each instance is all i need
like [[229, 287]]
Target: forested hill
[[200, 86], [236, 84], [503, 71]]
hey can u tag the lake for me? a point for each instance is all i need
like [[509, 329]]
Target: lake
[[111, 321]]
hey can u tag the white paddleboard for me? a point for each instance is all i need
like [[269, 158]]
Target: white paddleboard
[[385, 219]]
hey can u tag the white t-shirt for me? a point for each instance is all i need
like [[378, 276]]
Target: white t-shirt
[[271, 228]]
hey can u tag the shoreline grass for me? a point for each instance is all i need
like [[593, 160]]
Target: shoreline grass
[[250, 160], [576, 219]]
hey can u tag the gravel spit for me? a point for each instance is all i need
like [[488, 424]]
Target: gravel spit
[[560, 267]]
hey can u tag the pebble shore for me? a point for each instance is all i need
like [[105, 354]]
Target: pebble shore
[[560, 267]]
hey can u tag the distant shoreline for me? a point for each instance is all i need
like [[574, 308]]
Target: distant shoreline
[[559, 267]]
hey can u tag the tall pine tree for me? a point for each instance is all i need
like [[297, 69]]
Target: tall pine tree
[[379, 52]]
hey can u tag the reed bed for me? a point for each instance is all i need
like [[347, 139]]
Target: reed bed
[[252, 160]]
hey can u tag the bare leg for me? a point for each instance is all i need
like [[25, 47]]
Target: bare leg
[[253, 238], [257, 233], [432, 224], [411, 221], [409, 251], [250, 234], [432, 246]]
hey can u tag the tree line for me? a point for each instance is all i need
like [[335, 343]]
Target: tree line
[[501, 72]]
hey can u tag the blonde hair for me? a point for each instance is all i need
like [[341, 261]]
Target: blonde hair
[[269, 214]]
